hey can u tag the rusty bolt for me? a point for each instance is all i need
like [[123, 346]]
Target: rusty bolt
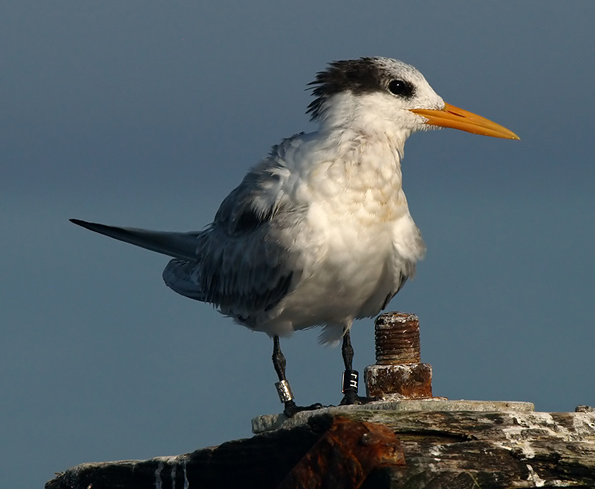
[[398, 372], [397, 338]]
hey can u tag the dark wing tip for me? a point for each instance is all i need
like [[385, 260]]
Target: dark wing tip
[[87, 225], [93, 226]]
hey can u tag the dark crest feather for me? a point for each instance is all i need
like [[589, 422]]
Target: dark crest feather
[[356, 75]]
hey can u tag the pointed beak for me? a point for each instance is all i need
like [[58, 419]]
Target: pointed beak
[[451, 116]]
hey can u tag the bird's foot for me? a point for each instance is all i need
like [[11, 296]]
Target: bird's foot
[[351, 397], [286, 397], [291, 408], [350, 387]]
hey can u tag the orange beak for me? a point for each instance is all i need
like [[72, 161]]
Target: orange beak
[[451, 116]]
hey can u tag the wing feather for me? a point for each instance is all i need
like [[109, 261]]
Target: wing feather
[[242, 265]]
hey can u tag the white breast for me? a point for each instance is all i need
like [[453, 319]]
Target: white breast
[[355, 242]]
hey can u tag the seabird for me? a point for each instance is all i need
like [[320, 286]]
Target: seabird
[[319, 232]]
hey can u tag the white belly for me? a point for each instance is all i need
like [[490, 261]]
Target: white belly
[[354, 243], [349, 272]]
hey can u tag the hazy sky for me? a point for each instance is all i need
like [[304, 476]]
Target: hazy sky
[[148, 113]]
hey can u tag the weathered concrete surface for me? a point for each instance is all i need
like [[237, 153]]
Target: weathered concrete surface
[[451, 449], [492, 449], [268, 422]]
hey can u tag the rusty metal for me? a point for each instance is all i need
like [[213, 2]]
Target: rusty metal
[[345, 455], [398, 372], [397, 338], [411, 381]]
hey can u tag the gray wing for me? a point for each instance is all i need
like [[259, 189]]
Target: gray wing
[[242, 265], [239, 263], [244, 276], [235, 264]]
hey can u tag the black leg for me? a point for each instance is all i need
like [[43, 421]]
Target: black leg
[[279, 361], [283, 388], [347, 350], [350, 376]]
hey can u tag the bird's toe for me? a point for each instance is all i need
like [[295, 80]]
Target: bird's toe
[[291, 409]]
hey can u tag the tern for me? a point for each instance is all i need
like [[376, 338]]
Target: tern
[[318, 233]]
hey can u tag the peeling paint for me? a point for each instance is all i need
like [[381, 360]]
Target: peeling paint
[[521, 435], [533, 477], [173, 475], [158, 483], [186, 482]]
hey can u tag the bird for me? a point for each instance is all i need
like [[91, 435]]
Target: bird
[[319, 233]]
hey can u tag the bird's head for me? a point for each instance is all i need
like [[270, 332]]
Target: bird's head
[[386, 95]]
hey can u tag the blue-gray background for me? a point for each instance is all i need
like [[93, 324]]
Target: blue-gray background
[[148, 113]]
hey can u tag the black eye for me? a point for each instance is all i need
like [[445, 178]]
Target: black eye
[[400, 88]]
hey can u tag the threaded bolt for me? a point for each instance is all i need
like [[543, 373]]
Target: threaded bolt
[[398, 373], [397, 338]]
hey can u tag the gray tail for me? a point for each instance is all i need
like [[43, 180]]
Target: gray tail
[[178, 245]]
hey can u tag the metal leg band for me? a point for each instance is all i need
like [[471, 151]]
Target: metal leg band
[[284, 391]]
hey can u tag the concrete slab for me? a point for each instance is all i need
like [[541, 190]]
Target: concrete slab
[[270, 422]]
